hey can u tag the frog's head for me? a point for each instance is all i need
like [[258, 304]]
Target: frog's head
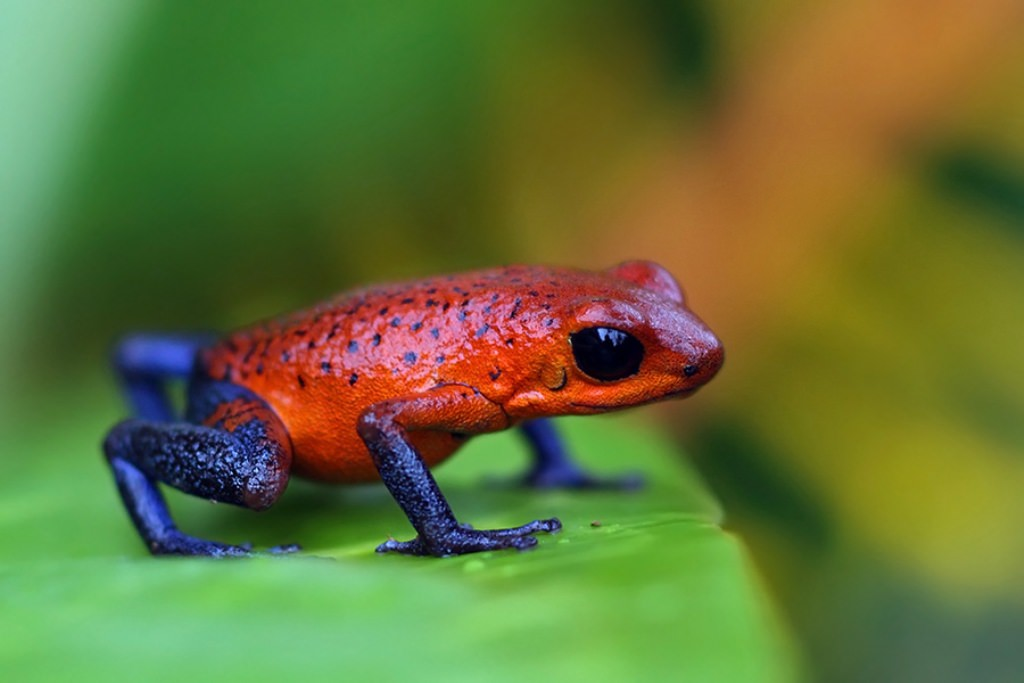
[[624, 338]]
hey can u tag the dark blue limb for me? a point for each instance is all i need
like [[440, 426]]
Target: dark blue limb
[[146, 361], [409, 480], [553, 467], [239, 454], [148, 511]]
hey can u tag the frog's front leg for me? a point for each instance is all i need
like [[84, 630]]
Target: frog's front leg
[[458, 409], [232, 449], [553, 467]]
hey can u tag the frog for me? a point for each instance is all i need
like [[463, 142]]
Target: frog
[[383, 383]]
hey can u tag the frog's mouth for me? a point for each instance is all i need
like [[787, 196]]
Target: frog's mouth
[[679, 393], [598, 407]]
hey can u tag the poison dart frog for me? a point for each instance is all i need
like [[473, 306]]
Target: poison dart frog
[[385, 382]]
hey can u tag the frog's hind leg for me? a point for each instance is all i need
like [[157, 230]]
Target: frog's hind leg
[[553, 467], [233, 449], [145, 362]]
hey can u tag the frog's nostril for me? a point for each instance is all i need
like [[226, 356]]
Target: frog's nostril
[[690, 370]]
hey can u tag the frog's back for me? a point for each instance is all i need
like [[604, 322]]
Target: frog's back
[[320, 368]]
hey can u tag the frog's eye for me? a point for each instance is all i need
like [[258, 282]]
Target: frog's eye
[[605, 353]]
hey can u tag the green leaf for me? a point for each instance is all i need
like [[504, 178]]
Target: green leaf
[[639, 586]]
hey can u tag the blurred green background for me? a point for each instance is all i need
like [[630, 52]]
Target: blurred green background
[[839, 186]]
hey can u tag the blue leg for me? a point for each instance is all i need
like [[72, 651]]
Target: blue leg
[[233, 450], [553, 467], [146, 362], [408, 479]]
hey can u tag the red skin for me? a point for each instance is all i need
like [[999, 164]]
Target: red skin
[[497, 339]]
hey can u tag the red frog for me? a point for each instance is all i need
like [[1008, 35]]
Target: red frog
[[387, 381]]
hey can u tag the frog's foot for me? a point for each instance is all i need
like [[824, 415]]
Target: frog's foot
[[463, 540], [177, 543], [554, 468], [576, 478]]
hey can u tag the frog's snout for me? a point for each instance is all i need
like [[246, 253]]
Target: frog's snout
[[705, 361]]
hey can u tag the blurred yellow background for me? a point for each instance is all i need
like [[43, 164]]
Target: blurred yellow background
[[838, 185]]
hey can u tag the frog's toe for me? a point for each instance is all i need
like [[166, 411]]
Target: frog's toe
[[463, 540], [284, 549], [548, 526], [393, 545]]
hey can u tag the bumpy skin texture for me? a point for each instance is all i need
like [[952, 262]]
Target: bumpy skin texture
[[501, 333], [387, 381]]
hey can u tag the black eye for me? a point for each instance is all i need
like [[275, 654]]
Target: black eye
[[605, 353]]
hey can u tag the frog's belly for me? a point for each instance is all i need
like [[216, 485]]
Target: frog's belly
[[321, 422], [326, 457]]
